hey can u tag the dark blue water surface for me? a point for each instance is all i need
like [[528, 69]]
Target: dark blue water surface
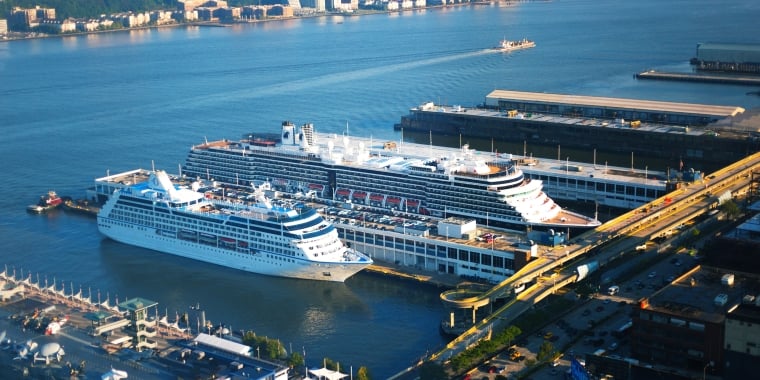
[[73, 108]]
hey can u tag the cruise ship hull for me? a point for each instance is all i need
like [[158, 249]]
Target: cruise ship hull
[[265, 263], [256, 236]]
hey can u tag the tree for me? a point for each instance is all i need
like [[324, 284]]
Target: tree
[[432, 371], [545, 352], [363, 374], [295, 360], [331, 364], [730, 208]]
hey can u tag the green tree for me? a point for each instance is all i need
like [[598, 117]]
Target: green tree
[[363, 374], [295, 360], [331, 364], [545, 352], [432, 371], [730, 208], [274, 349]]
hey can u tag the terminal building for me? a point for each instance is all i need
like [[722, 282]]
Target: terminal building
[[644, 111], [669, 130], [738, 58]]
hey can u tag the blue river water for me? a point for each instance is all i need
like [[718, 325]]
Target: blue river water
[[74, 108]]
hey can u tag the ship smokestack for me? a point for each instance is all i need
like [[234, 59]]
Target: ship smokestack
[[288, 135]]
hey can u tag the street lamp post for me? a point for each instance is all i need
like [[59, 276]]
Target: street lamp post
[[704, 370]]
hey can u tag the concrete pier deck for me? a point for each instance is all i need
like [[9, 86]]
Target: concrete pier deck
[[698, 77]]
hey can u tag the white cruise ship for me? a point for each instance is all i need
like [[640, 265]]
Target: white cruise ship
[[413, 178], [261, 238]]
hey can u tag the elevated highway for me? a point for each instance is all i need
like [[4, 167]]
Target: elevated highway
[[609, 240]]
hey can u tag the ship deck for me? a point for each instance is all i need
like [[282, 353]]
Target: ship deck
[[545, 166]]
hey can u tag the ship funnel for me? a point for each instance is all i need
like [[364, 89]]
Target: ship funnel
[[159, 180], [288, 136]]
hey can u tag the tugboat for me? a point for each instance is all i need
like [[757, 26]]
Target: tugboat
[[47, 202]]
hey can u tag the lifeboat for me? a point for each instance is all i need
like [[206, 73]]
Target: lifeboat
[[316, 186], [376, 197], [394, 200], [208, 238], [412, 202], [359, 195]]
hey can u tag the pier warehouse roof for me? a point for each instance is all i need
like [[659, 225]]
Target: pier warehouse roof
[[603, 107], [223, 344], [736, 53]]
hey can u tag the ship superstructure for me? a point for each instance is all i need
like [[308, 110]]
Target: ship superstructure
[[401, 176], [258, 236]]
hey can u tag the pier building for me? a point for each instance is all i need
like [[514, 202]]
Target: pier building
[[645, 111], [706, 134], [729, 57]]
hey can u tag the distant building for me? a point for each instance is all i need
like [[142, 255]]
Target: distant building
[[318, 5], [161, 17], [190, 16], [3, 26], [25, 19], [392, 5], [131, 20], [254, 13], [228, 13], [58, 26], [343, 5], [280, 11], [188, 5], [205, 14], [87, 25]]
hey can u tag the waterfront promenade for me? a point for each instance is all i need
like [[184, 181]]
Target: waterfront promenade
[[24, 305]]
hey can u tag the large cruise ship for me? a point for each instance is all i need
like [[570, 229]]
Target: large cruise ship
[[413, 178], [256, 236]]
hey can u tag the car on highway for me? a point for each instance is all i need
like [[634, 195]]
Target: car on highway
[[652, 274]]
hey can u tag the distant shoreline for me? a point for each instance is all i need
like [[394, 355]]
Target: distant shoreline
[[239, 22]]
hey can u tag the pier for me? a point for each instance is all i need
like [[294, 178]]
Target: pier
[[699, 77], [706, 135], [103, 338]]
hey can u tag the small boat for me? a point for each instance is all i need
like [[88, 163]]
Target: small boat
[[507, 45], [47, 202]]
